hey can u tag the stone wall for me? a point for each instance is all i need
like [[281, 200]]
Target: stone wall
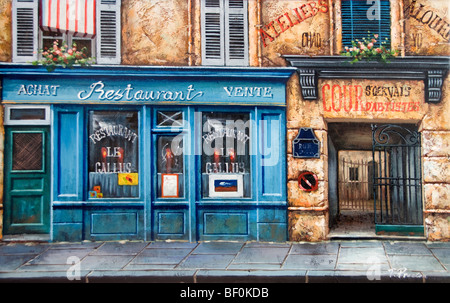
[[436, 167], [5, 31]]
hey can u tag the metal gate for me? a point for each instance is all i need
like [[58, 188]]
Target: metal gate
[[355, 184], [397, 176]]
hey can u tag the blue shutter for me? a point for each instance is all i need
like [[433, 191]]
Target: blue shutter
[[356, 24]]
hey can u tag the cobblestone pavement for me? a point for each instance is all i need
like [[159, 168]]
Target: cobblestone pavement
[[229, 262]]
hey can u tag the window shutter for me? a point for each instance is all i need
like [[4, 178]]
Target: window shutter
[[213, 43], [236, 33], [108, 31], [356, 22], [25, 30]]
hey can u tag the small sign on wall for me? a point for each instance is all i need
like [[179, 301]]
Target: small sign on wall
[[308, 181], [306, 145]]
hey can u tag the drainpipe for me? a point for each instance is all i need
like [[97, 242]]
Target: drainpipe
[[332, 34], [190, 32], [402, 28], [258, 20]]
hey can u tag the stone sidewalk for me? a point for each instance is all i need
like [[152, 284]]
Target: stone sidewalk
[[226, 262]]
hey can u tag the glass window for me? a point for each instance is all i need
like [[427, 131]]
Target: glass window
[[170, 167], [170, 119], [27, 151], [226, 155], [113, 154]]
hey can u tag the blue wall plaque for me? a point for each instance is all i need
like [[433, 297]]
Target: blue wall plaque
[[306, 145]]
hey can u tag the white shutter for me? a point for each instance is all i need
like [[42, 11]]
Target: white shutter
[[213, 44], [25, 30], [236, 33], [108, 32]]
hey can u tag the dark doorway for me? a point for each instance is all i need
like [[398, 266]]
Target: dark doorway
[[360, 176]]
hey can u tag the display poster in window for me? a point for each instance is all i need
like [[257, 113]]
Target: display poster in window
[[113, 154], [170, 166], [226, 155]]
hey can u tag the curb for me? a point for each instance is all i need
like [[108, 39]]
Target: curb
[[219, 276]]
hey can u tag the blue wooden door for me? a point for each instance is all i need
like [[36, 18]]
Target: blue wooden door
[[27, 180]]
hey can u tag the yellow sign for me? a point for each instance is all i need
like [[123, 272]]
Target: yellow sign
[[128, 179]]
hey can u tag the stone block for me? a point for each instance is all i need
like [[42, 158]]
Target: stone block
[[299, 198], [301, 113], [436, 118], [308, 226], [436, 170], [437, 227], [437, 196], [317, 166], [435, 144]]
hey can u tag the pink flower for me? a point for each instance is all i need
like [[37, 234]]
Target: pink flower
[[370, 45], [378, 50], [70, 52], [376, 36]]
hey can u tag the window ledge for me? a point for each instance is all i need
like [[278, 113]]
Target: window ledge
[[431, 69]]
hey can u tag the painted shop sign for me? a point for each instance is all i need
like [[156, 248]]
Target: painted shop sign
[[150, 91], [427, 16], [371, 97], [289, 19]]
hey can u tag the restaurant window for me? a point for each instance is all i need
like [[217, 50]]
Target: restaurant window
[[363, 19], [113, 154], [93, 24], [226, 165], [224, 32]]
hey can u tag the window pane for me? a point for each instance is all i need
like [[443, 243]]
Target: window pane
[[170, 119], [226, 155], [113, 154], [47, 43], [84, 43], [27, 151], [170, 167], [27, 114]]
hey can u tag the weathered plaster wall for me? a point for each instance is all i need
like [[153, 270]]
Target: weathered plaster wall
[[295, 28], [427, 28], [155, 32], [5, 31]]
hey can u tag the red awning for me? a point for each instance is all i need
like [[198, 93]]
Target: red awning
[[76, 17]]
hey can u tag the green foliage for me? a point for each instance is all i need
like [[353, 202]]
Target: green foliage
[[63, 56], [367, 50]]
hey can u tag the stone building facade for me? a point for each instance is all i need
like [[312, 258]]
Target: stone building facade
[[308, 35]]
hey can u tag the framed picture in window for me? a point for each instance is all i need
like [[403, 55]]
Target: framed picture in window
[[169, 186], [226, 186]]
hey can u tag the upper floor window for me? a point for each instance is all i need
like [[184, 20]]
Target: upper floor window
[[361, 19], [224, 32], [94, 24]]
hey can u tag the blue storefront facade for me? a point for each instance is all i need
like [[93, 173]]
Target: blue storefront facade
[[146, 153]]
